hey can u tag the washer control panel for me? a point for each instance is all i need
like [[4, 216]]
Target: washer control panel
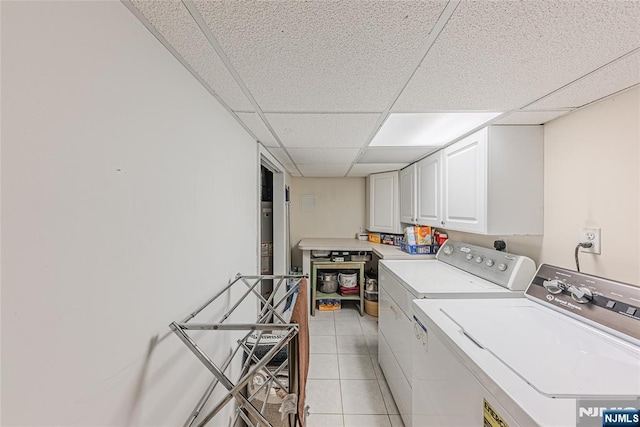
[[615, 305], [508, 270]]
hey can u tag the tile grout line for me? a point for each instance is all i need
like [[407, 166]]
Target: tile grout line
[[384, 402], [335, 330]]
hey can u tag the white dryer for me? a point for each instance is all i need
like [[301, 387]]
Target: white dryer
[[460, 270], [565, 355]]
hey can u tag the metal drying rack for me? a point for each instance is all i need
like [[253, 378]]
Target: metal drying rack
[[268, 319]]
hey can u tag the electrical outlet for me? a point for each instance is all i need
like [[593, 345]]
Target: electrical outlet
[[506, 242], [591, 235]]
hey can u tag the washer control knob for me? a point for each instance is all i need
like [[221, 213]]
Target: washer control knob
[[490, 263], [469, 257], [479, 259], [581, 295], [554, 286], [448, 250], [502, 266]]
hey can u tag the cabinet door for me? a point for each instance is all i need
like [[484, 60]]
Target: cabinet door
[[408, 194], [429, 182], [384, 208], [465, 183]]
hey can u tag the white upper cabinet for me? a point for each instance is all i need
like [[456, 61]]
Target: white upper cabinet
[[493, 182], [408, 195], [490, 182], [429, 192], [383, 213], [465, 184]]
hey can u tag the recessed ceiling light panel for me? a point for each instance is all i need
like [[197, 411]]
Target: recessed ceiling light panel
[[427, 129]]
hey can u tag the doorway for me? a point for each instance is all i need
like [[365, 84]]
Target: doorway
[[266, 229], [273, 224]]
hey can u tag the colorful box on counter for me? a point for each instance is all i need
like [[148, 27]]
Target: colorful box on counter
[[423, 235], [390, 239], [329, 304], [386, 239], [418, 235], [439, 238]]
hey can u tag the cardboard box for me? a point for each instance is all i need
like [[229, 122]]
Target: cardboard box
[[423, 235], [386, 239], [374, 237], [329, 304], [410, 235]]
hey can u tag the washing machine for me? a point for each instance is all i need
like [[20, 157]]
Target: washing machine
[[459, 270], [568, 354]]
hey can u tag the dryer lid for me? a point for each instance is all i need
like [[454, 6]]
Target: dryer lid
[[556, 355]]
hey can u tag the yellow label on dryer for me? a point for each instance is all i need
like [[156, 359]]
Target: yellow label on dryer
[[491, 417]]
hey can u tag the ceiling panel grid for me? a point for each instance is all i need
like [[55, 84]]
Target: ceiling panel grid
[[394, 154], [501, 55], [322, 155], [321, 170], [321, 56], [257, 126], [314, 80], [322, 130], [530, 117], [173, 21], [365, 169], [613, 78]]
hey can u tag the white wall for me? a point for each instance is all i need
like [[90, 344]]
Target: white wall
[[530, 246], [129, 196], [339, 210], [592, 179]]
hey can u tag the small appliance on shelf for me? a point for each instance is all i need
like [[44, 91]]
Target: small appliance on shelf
[[340, 256]]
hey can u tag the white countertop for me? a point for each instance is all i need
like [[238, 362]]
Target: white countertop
[[383, 251]]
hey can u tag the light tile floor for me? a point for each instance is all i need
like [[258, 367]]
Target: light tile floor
[[345, 387]]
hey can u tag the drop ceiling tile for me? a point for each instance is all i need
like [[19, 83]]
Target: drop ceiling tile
[[501, 55], [282, 157], [324, 170], [257, 126], [323, 155], [530, 117], [365, 169], [323, 130], [613, 78], [175, 24], [293, 171], [394, 154], [321, 56]]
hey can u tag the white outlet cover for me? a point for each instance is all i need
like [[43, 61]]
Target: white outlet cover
[[591, 235]]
